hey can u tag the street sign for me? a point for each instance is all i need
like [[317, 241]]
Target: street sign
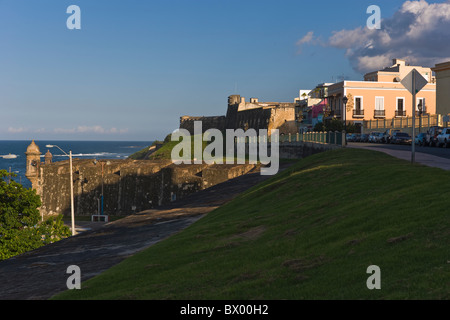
[[420, 82], [414, 82]]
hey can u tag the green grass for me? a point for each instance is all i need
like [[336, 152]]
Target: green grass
[[309, 232]]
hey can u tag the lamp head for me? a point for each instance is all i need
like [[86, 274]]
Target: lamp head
[[345, 99]]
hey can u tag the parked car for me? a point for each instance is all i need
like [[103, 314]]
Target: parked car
[[375, 137], [433, 133], [422, 139], [443, 139], [351, 137], [364, 138], [387, 136], [401, 138]]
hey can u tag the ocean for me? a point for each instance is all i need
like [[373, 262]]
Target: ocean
[[80, 149]]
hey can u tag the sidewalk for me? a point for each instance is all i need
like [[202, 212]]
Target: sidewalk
[[422, 158]]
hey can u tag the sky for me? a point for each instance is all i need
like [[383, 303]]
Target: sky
[[135, 67]]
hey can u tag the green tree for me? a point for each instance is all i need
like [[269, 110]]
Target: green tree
[[336, 125], [20, 227]]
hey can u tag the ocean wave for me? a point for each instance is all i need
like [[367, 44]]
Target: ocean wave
[[98, 154], [133, 147]]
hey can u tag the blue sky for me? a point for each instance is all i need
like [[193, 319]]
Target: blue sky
[[136, 66]]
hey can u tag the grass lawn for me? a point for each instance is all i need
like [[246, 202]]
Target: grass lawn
[[309, 232]]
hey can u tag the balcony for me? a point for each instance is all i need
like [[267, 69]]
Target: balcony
[[423, 114], [336, 113], [400, 113], [379, 114], [358, 113]]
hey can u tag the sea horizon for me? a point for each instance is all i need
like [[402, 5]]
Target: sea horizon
[[83, 149]]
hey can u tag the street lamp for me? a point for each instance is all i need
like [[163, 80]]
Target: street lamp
[[345, 100], [71, 185]]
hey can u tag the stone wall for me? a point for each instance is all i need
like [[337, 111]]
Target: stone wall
[[249, 115], [129, 186], [218, 122]]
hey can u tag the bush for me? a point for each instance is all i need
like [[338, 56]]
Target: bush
[[335, 125], [20, 227]]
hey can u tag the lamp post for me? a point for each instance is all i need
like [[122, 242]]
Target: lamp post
[[345, 100], [71, 185], [420, 107]]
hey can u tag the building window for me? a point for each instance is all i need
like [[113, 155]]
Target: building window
[[424, 106], [358, 110], [400, 112], [379, 107]]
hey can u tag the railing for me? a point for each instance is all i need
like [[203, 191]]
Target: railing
[[426, 121], [332, 137], [379, 113], [400, 113], [358, 113]]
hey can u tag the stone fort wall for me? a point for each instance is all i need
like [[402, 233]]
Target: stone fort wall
[[245, 115], [128, 186], [218, 122]]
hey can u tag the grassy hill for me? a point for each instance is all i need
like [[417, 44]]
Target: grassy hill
[[164, 152], [309, 232]]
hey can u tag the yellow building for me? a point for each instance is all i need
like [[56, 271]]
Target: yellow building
[[442, 71], [381, 95]]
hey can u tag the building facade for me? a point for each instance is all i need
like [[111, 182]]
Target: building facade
[[442, 71], [381, 95]]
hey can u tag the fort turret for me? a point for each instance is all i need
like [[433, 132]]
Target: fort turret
[[48, 157], [33, 163]]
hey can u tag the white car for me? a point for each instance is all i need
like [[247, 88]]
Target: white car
[[443, 139]]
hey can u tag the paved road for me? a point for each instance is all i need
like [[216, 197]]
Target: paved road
[[41, 273], [429, 156], [435, 151]]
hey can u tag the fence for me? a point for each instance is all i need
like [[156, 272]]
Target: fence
[[425, 121], [332, 137]]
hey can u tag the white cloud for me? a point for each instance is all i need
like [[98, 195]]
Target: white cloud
[[92, 129], [16, 130], [307, 39], [418, 32]]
